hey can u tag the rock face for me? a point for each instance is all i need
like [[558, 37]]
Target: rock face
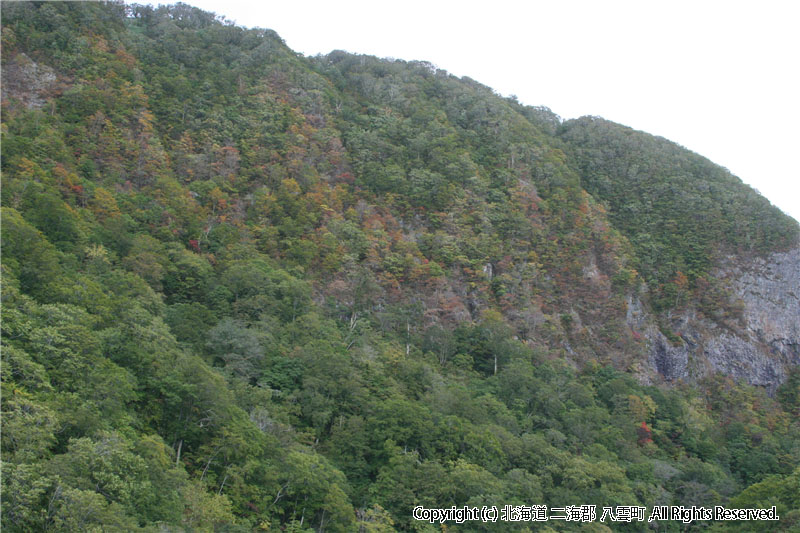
[[770, 291], [27, 81], [759, 351]]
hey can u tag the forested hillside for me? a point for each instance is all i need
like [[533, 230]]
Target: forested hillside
[[246, 290]]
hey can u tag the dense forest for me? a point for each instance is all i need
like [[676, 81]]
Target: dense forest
[[247, 290]]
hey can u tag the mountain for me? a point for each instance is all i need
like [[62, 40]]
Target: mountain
[[247, 290]]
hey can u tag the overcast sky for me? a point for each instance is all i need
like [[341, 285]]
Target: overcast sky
[[721, 78]]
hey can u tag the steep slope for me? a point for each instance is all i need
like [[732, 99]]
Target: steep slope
[[720, 263], [247, 290]]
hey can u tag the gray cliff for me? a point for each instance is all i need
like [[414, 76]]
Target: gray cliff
[[758, 349]]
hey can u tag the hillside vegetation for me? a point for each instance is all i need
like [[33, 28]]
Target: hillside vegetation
[[246, 290]]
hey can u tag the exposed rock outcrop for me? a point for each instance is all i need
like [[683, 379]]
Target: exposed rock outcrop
[[28, 81], [770, 291], [759, 351]]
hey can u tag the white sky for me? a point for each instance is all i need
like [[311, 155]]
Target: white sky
[[721, 78]]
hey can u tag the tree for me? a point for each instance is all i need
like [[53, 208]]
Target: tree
[[238, 348], [29, 256]]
